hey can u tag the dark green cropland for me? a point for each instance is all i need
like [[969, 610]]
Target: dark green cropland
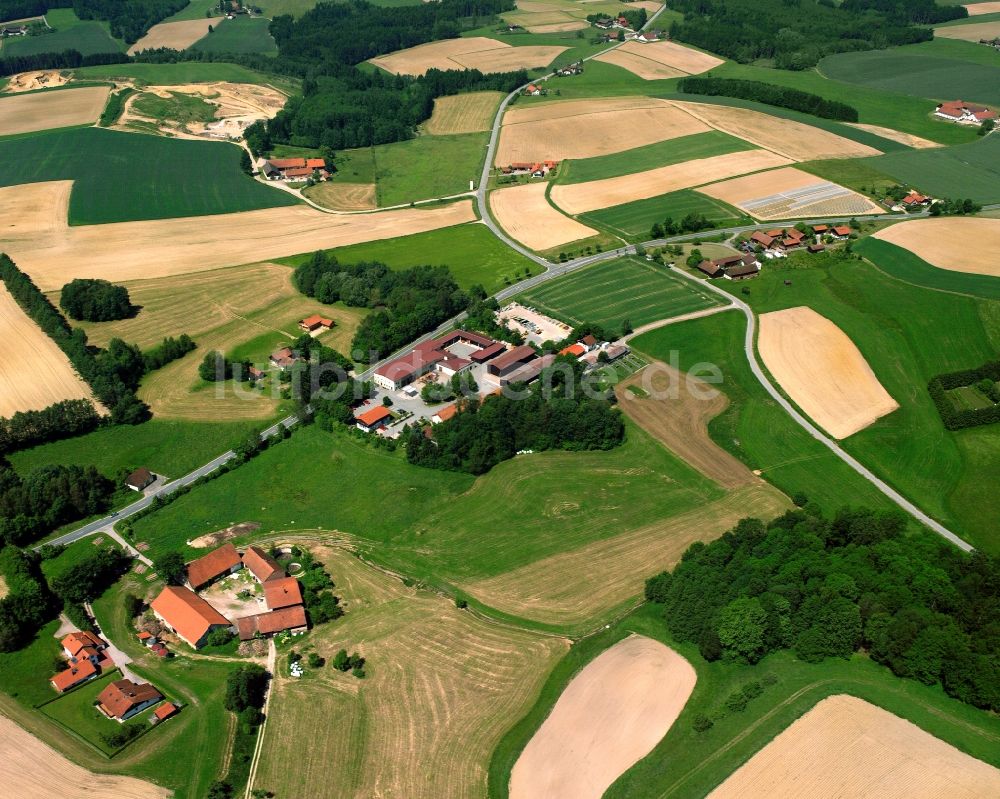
[[240, 35], [634, 220], [904, 265]]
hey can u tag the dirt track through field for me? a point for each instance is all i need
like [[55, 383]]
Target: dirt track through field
[[44, 246], [578, 586], [24, 113], [175, 35], [846, 747], [934, 240], [577, 198], [586, 128], [822, 370], [29, 769], [527, 216], [610, 716], [474, 52], [34, 372], [463, 113]]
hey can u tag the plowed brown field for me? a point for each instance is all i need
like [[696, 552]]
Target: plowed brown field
[[527, 216], [934, 241], [23, 113]]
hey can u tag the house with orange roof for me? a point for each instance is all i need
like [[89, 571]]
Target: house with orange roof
[[261, 565], [964, 113], [916, 198], [76, 642], [282, 593], [218, 563], [576, 350], [315, 322], [77, 673], [372, 420], [164, 712], [292, 619], [123, 699], [445, 413], [187, 614]]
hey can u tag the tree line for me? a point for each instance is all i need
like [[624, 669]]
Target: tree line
[[60, 420], [954, 418], [829, 587], [28, 603], [780, 96]]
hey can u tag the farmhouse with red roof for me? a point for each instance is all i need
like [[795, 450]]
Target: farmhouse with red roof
[[187, 614]]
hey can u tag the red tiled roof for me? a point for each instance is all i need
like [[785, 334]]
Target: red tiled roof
[[187, 613], [298, 172], [262, 565], [272, 622], [165, 711], [588, 340], [121, 696], [762, 238], [287, 163], [575, 350], [820, 228], [374, 416], [140, 478], [282, 593], [413, 362], [487, 352], [76, 673], [514, 356], [316, 163], [216, 563], [842, 230], [316, 321], [76, 641], [447, 412]]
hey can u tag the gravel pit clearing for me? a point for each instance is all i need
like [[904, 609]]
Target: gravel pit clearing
[[610, 716], [42, 243], [175, 35], [846, 747], [577, 198], [822, 370], [474, 52], [587, 128], [527, 216], [29, 769], [934, 241], [38, 79], [26, 113]]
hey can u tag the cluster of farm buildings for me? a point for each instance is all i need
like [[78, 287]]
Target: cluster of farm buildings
[[295, 168], [537, 169], [776, 243], [964, 113], [622, 24]]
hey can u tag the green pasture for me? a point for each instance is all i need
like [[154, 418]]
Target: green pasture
[[470, 251], [186, 72], [859, 174], [611, 292], [909, 268], [651, 156], [969, 398], [26, 672], [77, 712], [427, 167], [182, 108], [178, 177], [240, 35], [634, 220], [69, 33], [689, 763], [74, 554], [196, 9]]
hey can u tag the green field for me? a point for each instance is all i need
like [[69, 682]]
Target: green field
[[109, 188], [665, 153], [904, 265], [240, 35], [77, 712], [74, 554], [427, 167], [967, 170], [186, 72], [471, 252], [70, 33], [178, 108], [859, 174], [611, 292], [196, 9], [26, 672], [969, 398], [688, 763], [634, 220]]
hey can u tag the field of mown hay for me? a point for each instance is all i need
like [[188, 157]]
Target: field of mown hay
[[442, 688], [934, 240], [463, 113], [34, 372], [587, 128], [787, 193], [474, 52], [897, 136], [612, 714], [30, 769], [977, 9], [822, 370], [658, 60], [175, 35], [52, 109], [578, 198], [845, 746], [526, 215], [644, 68], [343, 196], [582, 584], [53, 253], [972, 32]]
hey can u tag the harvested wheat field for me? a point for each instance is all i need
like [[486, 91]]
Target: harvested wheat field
[[175, 35], [896, 135], [637, 65], [610, 716], [585, 128], [24, 113], [934, 241], [592, 581], [29, 769], [442, 688], [970, 33], [558, 27], [784, 136], [822, 370], [34, 372], [577, 198], [978, 9], [527, 216], [666, 54], [53, 253], [463, 113], [37, 79], [343, 196], [846, 747], [788, 193], [475, 52]]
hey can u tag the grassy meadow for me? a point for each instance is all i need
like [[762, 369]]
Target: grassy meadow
[[186, 72], [240, 35], [634, 220], [909, 268], [69, 33]]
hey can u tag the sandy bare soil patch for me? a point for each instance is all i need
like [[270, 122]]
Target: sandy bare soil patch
[[896, 135], [343, 196], [575, 587], [789, 138], [645, 68], [847, 747], [527, 216], [34, 372], [29, 769], [977, 9], [463, 113], [586, 128], [558, 27], [577, 198], [693, 62], [44, 246], [175, 35], [787, 193], [475, 52], [970, 33], [822, 370], [57, 109], [38, 79], [934, 241], [221, 536], [4, 590], [610, 716]]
